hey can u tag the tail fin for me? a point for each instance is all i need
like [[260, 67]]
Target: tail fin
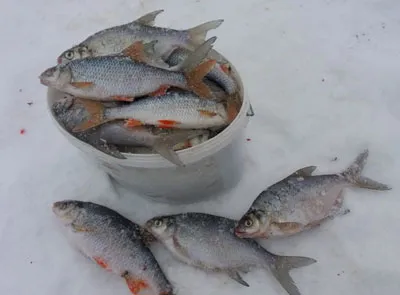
[[149, 18], [198, 34], [195, 70], [283, 264], [95, 111], [353, 174]]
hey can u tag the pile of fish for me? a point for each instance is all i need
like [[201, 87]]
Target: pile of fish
[[299, 202], [139, 85]]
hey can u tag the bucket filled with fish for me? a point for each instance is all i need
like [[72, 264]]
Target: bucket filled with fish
[[158, 109]]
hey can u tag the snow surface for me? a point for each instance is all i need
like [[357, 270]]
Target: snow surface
[[322, 77]]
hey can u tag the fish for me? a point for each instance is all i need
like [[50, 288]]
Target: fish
[[183, 110], [69, 113], [108, 137], [207, 242], [161, 141], [220, 73], [303, 201], [115, 39], [114, 243], [110, 78]]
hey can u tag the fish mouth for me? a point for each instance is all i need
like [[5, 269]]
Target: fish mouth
[[44, 82]]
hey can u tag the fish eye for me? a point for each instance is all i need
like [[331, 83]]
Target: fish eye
[[248, 222], [158, 223], [69, 54]]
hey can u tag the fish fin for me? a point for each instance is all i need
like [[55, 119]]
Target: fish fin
[[132, 123], [305, 171], [198, 33], [160, 91], [135, 51], [149, 18], [101, 262], [123, 98], [206, 113], [80, 228], [195, 58], [96, 115], [288, 227], [353, 174], [167, 123], [168, 153], [282, 267], [195, 79], [234, 275], [135, 285], [82, 84], [226, 68]]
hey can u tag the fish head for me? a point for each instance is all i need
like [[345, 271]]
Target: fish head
[[57, 76], [76, 52], [162, 227], [68, 211], [254, 224]]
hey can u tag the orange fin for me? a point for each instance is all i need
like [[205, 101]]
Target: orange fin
[[134, 285], [123, 98], [96, 112], [167, 123], [206, 113], [226, 68], [131, 123], [100, 261], [160, 91], [135, 51], [82, 84], [195, 77], [79, 228]]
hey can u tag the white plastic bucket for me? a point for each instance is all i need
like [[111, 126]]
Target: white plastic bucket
[[210, 167]]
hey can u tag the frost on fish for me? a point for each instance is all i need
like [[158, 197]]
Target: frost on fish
[[302, 201], [114, 243], [207, 241]]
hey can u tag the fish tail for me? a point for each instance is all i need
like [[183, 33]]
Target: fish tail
[[198, 34], [353, 174], [194, 79], [95, 110], [282, 267]]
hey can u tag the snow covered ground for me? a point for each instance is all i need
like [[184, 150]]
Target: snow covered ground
[[322, 77]]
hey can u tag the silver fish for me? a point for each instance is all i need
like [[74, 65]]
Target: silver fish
[[208, 242], [115, 39], [114, 243], [110, 78], [302, 201], [183, 110], [217, 73], [162, 141]]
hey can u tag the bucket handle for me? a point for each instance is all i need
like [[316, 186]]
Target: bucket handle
[[250, 112]]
